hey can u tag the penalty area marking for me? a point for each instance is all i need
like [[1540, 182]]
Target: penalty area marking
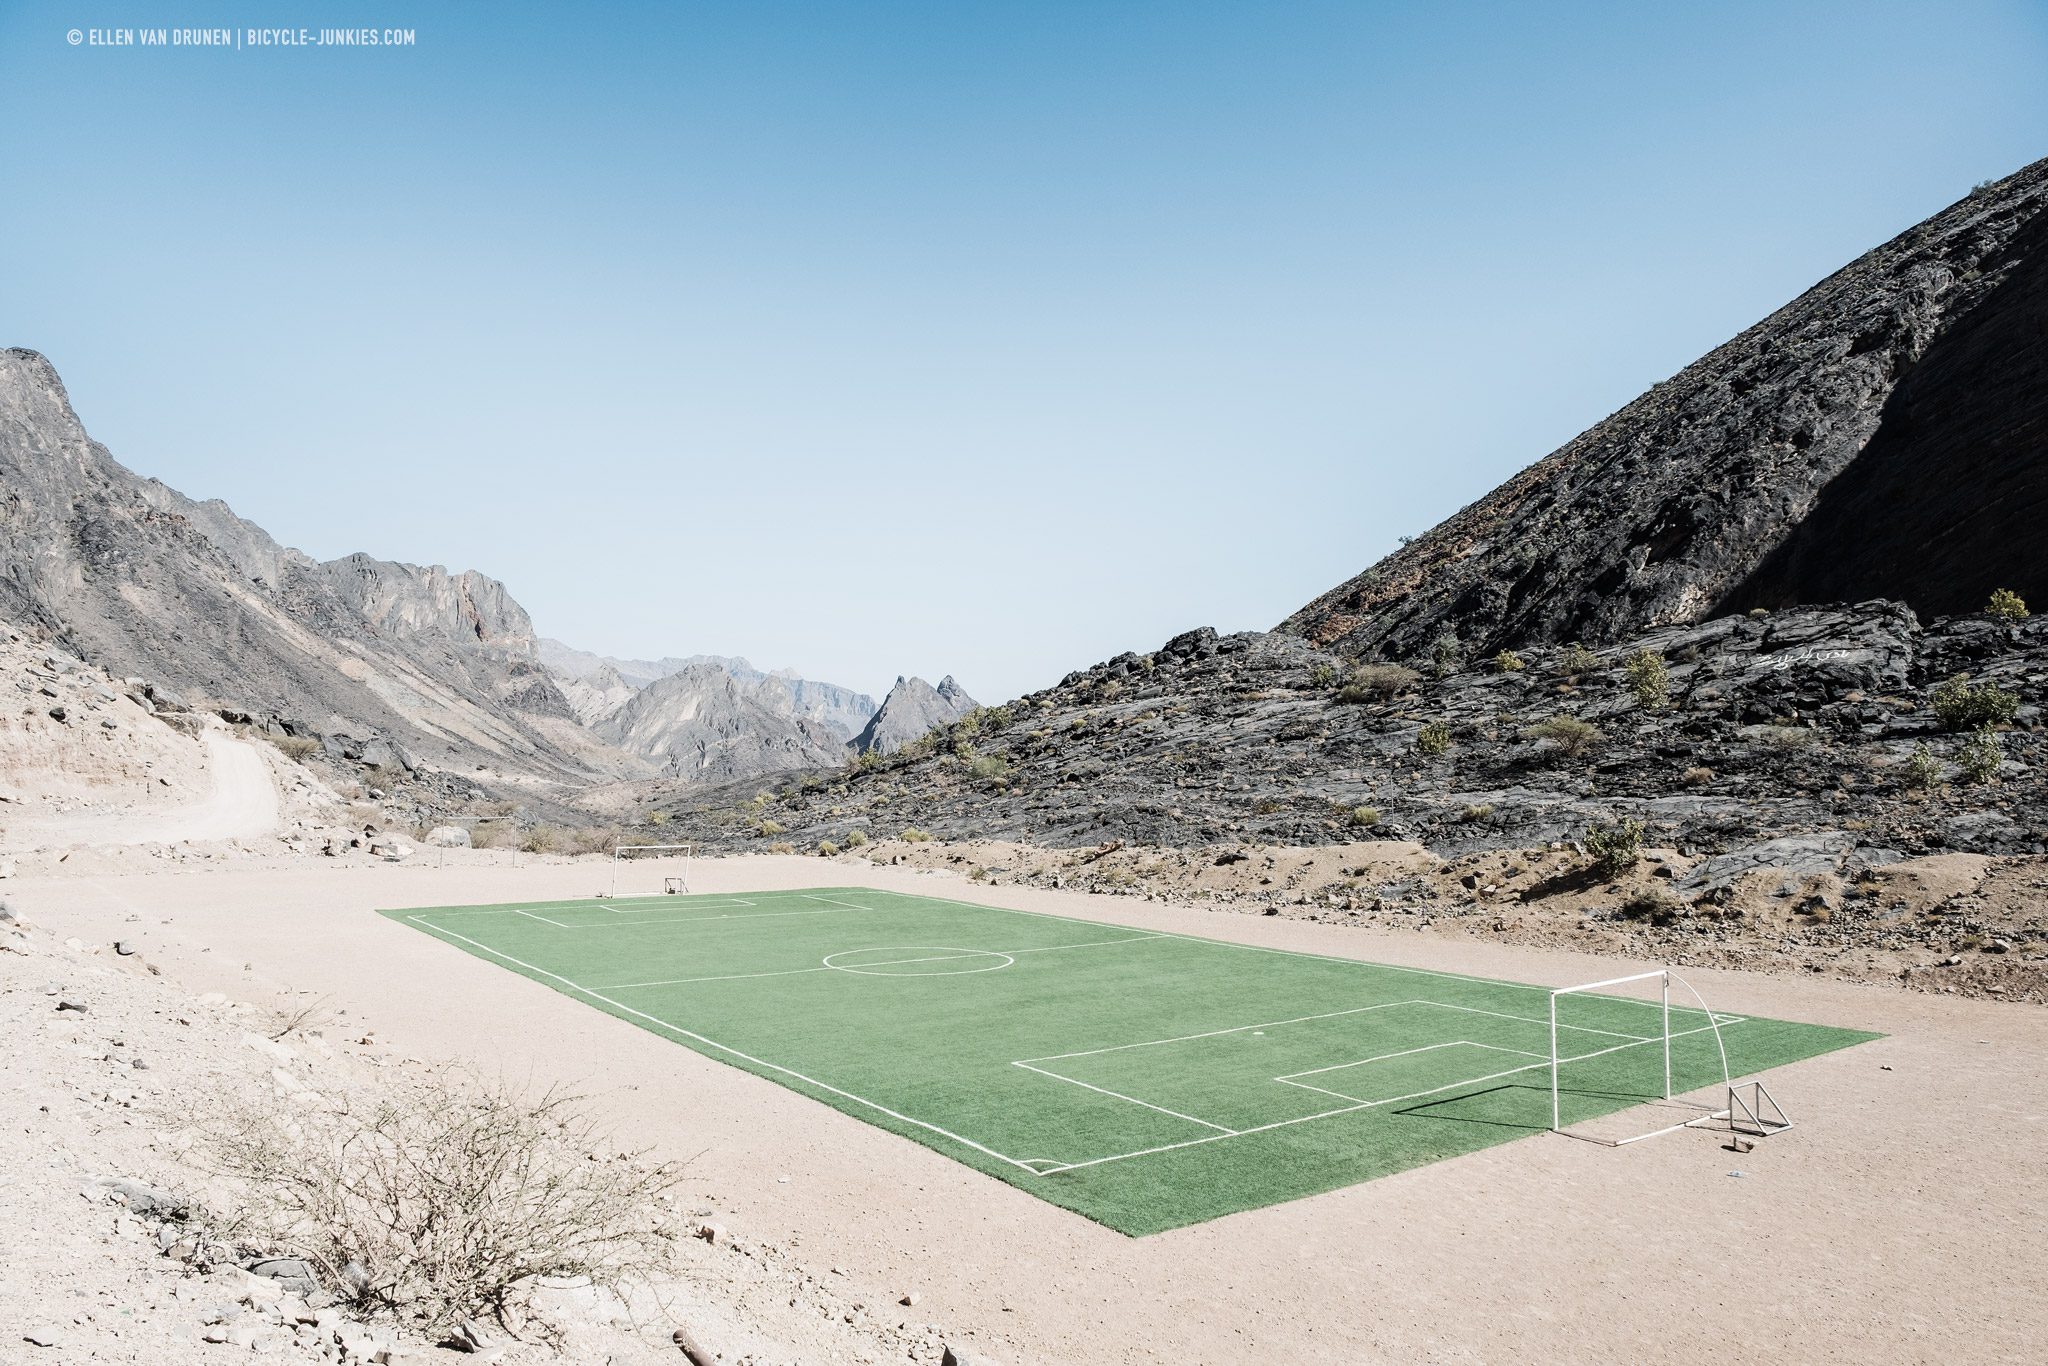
[[1039, 1166]]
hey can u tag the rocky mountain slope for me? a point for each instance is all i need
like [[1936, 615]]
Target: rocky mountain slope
[[704, 725], [1880, 436], [1815, 741], [133, 576], [910, 710]]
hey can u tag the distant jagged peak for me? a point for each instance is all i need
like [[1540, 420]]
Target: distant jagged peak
[[913, 707]]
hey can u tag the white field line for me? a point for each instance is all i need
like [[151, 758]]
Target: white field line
[[660, 1023], [1408, 1053], [888, 962], [1351, 1109], [610, 903], [1035, 1165], [1306, 1019], [1249, 948], [1118, 1095]]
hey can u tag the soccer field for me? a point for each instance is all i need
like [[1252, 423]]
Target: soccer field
[[1143, 1079]]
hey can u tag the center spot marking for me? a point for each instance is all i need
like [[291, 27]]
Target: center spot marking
[[917, 960]]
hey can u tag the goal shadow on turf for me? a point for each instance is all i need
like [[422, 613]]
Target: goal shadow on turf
[[1522, 1106]]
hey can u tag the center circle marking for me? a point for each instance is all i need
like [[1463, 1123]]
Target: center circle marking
[[918, 960]]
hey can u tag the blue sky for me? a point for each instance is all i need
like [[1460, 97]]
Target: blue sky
[[990, 339]]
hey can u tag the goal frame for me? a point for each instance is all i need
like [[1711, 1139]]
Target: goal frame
[[685, 851], [1665, 977]]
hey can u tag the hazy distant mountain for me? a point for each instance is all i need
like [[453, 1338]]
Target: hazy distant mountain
[[913, 707], [701, 724], [839, 709]]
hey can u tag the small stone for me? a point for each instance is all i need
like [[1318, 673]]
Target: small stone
[[124, 947], [713, 1234], [910, 1300], [72, 1006], [40, 1338]]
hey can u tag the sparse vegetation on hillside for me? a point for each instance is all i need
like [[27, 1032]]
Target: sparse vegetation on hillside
[[1569, 735], [1981, 755], [1649, 679], [1377, 683], [1508, 662], [1612, 850], [1962, 707], [2007, 605], [1433, 739]]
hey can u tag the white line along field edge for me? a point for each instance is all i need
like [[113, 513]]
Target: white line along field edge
[[1040, 1166]]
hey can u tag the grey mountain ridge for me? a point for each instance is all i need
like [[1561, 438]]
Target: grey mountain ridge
[[912, 707], [441, 669]]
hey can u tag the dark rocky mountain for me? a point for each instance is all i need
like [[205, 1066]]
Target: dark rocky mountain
[[1883, 435], [1879, 440], [1816, 732], [436, 667], [912, 708]]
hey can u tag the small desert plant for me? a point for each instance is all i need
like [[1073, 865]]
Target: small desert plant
[[912, 835], [782, 847], [294, 746], [1476, 812], [1576, 661], [1649, 679], [1981, 755], [990, 768], [1377, 683], [1786, 737], [2008, 605], [543, 839], [1923, 770], [1433, 739], [1614, 849], [1508, 662], [442, 1200], [657, 819], [826, 848], [1654, 904], [1571, 736], [1446, 653], [1965, 708], [1323, 677], [1365, 815], [767, 829], [1697, 776], [487, 834], [386, 776], [856, 838]]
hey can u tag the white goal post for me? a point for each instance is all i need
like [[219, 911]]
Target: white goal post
[[676, 882], [1664, 978]]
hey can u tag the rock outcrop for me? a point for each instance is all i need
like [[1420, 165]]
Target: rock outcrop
[[1882, 435], [912, 707], [593, 683]]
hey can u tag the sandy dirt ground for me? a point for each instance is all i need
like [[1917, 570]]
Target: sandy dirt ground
[[240, 801], [1899, 1222]]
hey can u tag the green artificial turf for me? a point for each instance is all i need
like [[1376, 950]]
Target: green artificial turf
[[1145, 1080]]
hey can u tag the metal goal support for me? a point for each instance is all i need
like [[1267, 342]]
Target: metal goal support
[[1664, 977], [671, 884]]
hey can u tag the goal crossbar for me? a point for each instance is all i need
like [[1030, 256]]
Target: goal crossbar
[[619, 852], [1664, 978]]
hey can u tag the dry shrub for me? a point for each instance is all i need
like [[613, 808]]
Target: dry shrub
[[544, 839], [444, 1200], [294, 746], [487, 834]]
